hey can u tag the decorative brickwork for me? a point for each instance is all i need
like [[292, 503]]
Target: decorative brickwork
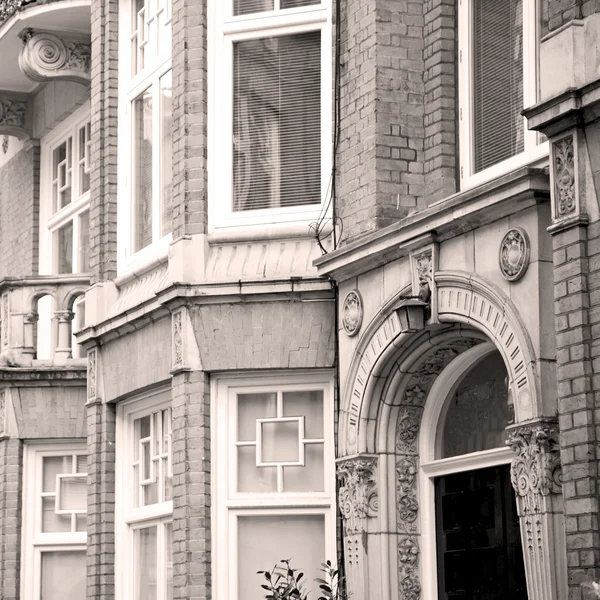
[[189, 118], [11, 452], [191, 486], [101, 501], [103, 155]]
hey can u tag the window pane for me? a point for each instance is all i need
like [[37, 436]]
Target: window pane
[[73, 493], [63, 575], [244, 7], [298, 3], [146, 563], [51, 522], [310, 477], [280, 441], [479, 411], [277, 122], [61, 175], [252, 478], [264, 541], [166, 156], [84, 242], [143, 170], [84, 159], [498, 80], [64, 244], [251, 407], [309, 404], [53, 466]]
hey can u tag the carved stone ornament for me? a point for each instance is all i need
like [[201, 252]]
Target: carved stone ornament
[[46, 57], [536, 471], [352, 312], [5, 321], [12, 112], [2, 411], [514, 254], [177, 338], [5, 141], [358, 499], [91, 374], [564, 177]]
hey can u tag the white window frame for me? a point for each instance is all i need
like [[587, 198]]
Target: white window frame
[[130, 87], [129, 518], [50, 220], [431, 466], [227, 504], [224, 30], [34, 542], [533, 150]]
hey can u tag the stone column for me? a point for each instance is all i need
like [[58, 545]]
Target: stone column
[[63, 350], [536, 477], [358, 502]]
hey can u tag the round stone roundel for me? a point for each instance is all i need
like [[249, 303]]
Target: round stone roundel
[[352, 312], [514, 254]]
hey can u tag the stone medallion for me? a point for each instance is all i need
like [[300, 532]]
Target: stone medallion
[[514, 254], [352, 312]]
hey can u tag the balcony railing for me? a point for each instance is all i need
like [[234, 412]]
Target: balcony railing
[[36, 318], [9, 7]]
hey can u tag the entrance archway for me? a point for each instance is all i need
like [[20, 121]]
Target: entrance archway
[[391, 379]]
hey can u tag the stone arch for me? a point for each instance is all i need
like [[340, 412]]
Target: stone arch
[[387, 358]]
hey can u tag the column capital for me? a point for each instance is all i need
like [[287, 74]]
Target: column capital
[[49, 56], [358, 496], [15, 115]]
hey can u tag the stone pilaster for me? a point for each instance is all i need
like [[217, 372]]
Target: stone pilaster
[[536, 477], [358, 502]]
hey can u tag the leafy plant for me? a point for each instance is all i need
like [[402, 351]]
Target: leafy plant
[[285, 583]]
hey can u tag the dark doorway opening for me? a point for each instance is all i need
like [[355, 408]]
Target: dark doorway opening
[[479, 549]]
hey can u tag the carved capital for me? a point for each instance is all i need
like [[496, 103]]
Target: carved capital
[[64, 316], [15, 116], [91, 374], [49, 57], [536, 471], [358, 498]]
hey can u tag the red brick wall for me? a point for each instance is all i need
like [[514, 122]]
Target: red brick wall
[[19, 214]]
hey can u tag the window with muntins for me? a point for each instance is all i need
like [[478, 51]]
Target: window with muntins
[[145, 127], [498, 65], [144, 499], [274, 480], [54, 522], [270, 125], [65, 219]]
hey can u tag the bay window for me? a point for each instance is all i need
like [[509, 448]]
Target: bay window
[[498, 67], [273, 482], [144, 499], [54, 518], [269, 123], [145, 126]]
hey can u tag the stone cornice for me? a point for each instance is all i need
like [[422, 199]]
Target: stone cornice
[[464, 211], [571, 108], [35, 376], [49, 56]]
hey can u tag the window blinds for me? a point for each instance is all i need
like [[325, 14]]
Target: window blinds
[[245, 7], [497, 80], [277, 122]]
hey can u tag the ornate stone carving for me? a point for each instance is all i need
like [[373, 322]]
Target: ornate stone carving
[[5, 140], [408, 551], [177, 338], [564, 177], [406, 471], [8, 8], [12, 112], [514, 254], [407, 429], [408, 508], [2, 411], [410, 587], [352, 312], [358, 499], [46, 57], [91, 374], [536, 471]]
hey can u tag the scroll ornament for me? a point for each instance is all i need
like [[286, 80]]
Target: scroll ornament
[[358, 499]]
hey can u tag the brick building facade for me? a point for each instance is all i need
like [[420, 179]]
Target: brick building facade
[[298, 278]]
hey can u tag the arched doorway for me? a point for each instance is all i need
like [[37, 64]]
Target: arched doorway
[[471, 530]]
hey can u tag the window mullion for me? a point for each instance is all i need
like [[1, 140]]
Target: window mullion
[[156, 154]]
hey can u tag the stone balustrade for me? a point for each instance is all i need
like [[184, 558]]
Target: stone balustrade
[[25, 321]]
